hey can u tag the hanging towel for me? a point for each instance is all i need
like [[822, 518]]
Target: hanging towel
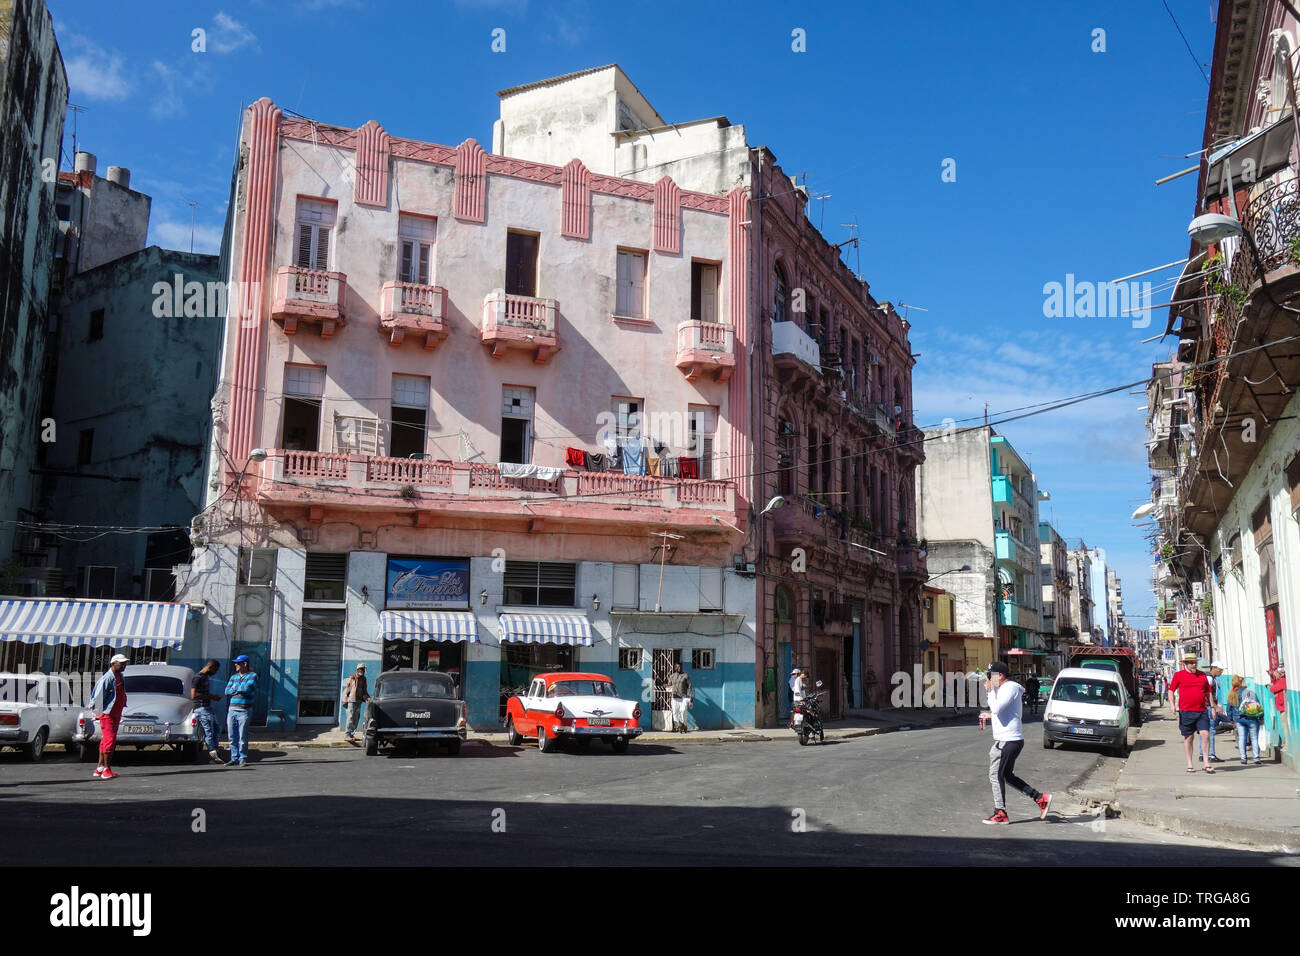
[[652, 465], [575, 457], [511, 469], [597, 462], [689, 467], [633, 456], [611, 446]]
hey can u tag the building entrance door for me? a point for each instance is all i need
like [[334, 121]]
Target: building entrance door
[[661, 664]]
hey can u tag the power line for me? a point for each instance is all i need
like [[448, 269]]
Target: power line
[[1185, 43]]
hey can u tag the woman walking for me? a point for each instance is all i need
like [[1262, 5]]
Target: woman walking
[[1245, 710]]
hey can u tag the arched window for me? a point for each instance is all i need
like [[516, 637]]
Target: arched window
[[780, 296], [784, 606]]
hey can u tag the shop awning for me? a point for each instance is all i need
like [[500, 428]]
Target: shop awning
[[428, 626], [93, 623], [546, 628]]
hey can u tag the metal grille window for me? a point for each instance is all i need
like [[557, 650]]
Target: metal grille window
[[629, 658], [540, 584], [702, 658], [326, 578], [319, 666]]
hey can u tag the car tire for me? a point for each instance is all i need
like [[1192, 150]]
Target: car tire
[[513, 737], [453, 747], [372, 745], [619, 744], [87, 751], [545, 744], [36, 748], [1047, 744]]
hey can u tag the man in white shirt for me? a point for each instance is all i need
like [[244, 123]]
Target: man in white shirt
[[1008, 740]]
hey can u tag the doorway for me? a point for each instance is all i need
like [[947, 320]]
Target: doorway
[[661, 667]]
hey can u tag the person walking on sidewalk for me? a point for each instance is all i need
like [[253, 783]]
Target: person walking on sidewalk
[[1278, 689], [1008, 740], [1245, 710], [355, 693], [1214, 704], [242, 688], [107, 701], [679, 689], [201, 694], [1191, 689]]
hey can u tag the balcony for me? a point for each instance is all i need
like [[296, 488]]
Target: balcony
[[1013, 614], [795, 355], [405, 307], [911, 443], [1002, 493], [804, 522], [879, 418], [1008, 548], [428, 488], [520, 322], [706, 347], [309, 297], [911, 562]]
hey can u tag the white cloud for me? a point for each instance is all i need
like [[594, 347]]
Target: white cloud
[[167, 101], [230, 35], [93, 72], [172, 234]]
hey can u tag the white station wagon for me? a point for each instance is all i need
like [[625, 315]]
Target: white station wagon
[[35, 710]]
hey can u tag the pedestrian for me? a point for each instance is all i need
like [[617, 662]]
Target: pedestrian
[[679, 689], [1278, 689], [1245, 710], [201, 692], [107, 701], [242, 690], [1005, 697], [1191, 688], [798, 685], [355, 693], [1031, 693], [1214, 704]]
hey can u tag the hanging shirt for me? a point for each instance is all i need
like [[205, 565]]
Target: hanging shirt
[[689, 467], [575, 457], [633, 456], [597, 462]]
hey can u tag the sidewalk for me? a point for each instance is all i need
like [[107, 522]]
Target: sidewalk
[[1253, 805]]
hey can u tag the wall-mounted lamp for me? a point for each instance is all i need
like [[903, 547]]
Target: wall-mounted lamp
[[482, 597], [595, 602]]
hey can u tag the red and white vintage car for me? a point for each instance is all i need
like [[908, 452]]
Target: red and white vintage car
[[576, 706]]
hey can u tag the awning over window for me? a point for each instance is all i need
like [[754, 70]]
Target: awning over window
[[546, 628], [93, 623], [1252, 158], [406, 625]]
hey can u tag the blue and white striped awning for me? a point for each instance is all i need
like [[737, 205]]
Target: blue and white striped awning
[[93, 623], [428, 626], [546, 628]]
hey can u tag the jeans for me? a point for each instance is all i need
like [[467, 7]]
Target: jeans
[[237, 728], [1214, 729], [1248, 728], [1002, 760], [354, 716], [207, 722]]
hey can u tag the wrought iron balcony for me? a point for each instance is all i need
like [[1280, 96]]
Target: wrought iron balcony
[[309, 296], [405, 307]]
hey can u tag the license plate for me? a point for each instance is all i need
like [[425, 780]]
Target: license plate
[[798, 718], [137, 728], [597, 721], [1081, 730]]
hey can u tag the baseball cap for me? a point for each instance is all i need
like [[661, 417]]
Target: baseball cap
[[1218, 664], [997, 667], [241, 659], [119, 659]]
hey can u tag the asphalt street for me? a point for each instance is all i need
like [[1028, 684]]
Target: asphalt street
[[907, 798]]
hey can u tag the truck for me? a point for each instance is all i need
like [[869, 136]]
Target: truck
[[1120, 659]]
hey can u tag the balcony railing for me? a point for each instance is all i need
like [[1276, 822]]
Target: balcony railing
[[706, 347], [368, 482], [788, 340], [521, 322], [309, 296], [418, 309], [1009, 548]]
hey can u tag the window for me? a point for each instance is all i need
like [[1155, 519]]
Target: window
[[521, 264], [410, 411], [304, 387], [315, 222], [780, 296], [96, 326], [629, 658], [626, 586], [929, 610], [785, 457], [704, 292], [516, 424], [627, 419], [63, 212], [702, 658], [540, 584], [416, 236], [826, 464], [702, 422], [85, 446], [710, 589], [326, 577], [631, 284]]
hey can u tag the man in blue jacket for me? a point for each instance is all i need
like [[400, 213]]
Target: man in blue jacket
[[241, 690], [107, 701]]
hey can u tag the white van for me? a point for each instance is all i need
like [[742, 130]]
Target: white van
[[1090, 706], [35, 710]]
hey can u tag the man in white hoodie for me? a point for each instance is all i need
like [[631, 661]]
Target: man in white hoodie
[[1008, 741]]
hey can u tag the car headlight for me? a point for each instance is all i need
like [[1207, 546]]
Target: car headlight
[[1053, 715], [1109, 723]]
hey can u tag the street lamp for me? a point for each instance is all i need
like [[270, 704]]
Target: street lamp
[[1144, 510], [257, 454], [778, 501]]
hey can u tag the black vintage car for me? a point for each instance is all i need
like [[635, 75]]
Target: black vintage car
[[421, 707]]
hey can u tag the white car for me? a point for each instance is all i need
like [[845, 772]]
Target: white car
[[159, 711], [35, 710], [1088, 705]]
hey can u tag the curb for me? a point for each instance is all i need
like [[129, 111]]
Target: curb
[[1208, 829]]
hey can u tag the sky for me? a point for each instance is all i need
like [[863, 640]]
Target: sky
[[984, 151]]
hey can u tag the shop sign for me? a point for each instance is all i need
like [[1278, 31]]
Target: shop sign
[[428, 582]]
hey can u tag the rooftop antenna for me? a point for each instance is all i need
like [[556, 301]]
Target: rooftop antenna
[[853, 238], [191, 204], [822, 197], [904, 306], [74, 109]]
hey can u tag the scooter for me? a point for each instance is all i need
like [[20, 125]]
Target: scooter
[[806, 718]]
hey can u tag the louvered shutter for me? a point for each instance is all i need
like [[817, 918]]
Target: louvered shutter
[[322, 248], [304, 245], [408, 257], [709, 294]]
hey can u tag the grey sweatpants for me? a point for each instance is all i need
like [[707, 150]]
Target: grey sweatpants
[[1002, 760]]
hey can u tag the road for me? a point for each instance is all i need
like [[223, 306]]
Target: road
[[907, 798]]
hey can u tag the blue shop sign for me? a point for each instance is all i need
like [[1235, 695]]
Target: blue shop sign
[[428, 582]]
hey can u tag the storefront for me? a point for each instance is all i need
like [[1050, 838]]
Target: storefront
[[426, 621], [535, 643]]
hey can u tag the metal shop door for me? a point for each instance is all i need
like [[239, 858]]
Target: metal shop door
[[320, 665], [661, 664]]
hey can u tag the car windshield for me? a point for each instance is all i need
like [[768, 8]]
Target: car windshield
[[581, 688], [154, 684], [1084, 690], [16, 690], [429, 686]]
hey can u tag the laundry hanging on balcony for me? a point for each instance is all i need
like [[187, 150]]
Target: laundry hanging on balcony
[[633, 456], [510, 469]]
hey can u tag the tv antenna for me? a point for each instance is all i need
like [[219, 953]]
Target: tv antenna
[[905, 307], [74, 109], [191, 204], [853, 238]]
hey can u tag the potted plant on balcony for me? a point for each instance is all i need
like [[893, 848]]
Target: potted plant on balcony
[[1207, 605], [1166, 551], [1216, 277]]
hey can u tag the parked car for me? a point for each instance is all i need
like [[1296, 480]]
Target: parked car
[[572, 706], [36, 710], [410, 706], [159, 712], [1088, 705]]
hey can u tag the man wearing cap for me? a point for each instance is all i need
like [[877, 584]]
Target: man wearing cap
[[355, 693], [242, 691], [1192, 690], [107, 701], [1008, 740], [201, 694]]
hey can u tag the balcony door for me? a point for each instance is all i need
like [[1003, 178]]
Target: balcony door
[[304, 388], [521, 264], [516, 424]]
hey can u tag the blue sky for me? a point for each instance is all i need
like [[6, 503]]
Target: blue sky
[[1055, 148]]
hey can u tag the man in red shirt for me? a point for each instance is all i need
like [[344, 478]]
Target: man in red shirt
[[1192, 689]]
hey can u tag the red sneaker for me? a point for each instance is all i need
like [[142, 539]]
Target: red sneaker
[[999, 816], [108, 774], [1043, 802]]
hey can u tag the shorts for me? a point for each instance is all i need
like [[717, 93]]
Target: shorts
[[1190, 721], [108, 724]]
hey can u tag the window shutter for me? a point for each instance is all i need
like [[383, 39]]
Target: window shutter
[[304, 246], [710, 589], [637, 291], [624, 285], [322, 248], [709, 294], [625, 585], [408, 254], [423, 277]]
